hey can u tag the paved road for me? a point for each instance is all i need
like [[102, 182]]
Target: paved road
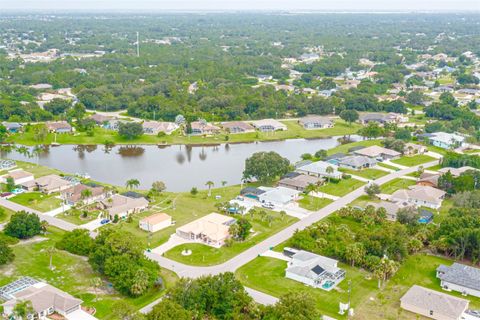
[[243, 258]]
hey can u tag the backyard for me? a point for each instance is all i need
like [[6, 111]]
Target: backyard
[[268, 275], [341, 188], [38, 201], [71, 273], [203, 255], [313, 203], [413, 160], [396, 184]]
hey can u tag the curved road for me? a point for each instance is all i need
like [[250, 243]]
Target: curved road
[[248, 255]]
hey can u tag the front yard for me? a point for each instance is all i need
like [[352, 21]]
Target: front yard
[[79, 216], [341, 188], [38, 201], [371, 174], [413, 160], [314, 203], [203, 255], [396, 184], [268, 275]]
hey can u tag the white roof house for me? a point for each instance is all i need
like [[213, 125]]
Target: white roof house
[[267, 125], [319, 169], [378, 152], [278, 195], [446, 140], [155, 127], [419, 196]]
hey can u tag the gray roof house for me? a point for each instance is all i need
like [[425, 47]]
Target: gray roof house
[[461, 278], [433, 304], [357, 162], [319, 169], [313, 270], [315, 122]]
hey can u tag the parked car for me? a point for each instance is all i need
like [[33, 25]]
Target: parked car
[[268, 205], [104, 221]]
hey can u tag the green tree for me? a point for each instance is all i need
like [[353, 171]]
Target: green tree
[[6, 253], [77, 241], [355, 252], [159, 186], [349, 116], [384, 270], [265, 166], [50, 251], [372, 190], [132, 183], [130, 130], [23, 225], [209, 184], [10, 184], [167, 310], [321, 154], [372, 130], [3, 133], [57, 106], [294, 306]]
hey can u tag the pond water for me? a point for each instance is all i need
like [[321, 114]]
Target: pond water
[[180, 167]]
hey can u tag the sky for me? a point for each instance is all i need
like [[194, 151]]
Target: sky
[[242, 5]]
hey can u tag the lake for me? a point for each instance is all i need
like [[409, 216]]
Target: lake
[[180, 167]]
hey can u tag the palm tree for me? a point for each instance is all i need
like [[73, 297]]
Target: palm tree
[[85, 194], [96, 283], [310, 188], [209, 184], [385, 269], [269, 219], [355, 252], [132, 183], [282, 214], [37, 150], [329, 170], [44, 225], [51, 251]]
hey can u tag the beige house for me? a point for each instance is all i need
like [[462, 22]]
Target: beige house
[[377, 152], [456, 171], [433, 304], [237, 127], [19, 176], [75, 194], [155, 222], [268, 125], [212, 230], [47, 184], [201, 127], [412, 149], [59, 126], [155, 127], [315, 122], [122, 206], [419, 196]]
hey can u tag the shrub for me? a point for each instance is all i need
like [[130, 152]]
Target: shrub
[[23, 225]]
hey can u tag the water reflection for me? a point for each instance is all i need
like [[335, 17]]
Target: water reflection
[[131, 151]]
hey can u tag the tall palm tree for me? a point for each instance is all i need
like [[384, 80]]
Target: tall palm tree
[[209, 184], [96, 283], [132, 183], [329, 170], [85, 194], [36, 151], [51, 251]]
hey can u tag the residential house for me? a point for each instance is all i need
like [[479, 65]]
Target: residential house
[[212, 229], [252, 193], [382, 118], [100, 119], [59, 126], [237, 206], [122, 206], [357, 162], [433, 304], [391, 208], [315, 122], [203, 128], [44, 299], [461, 278], [47, 184], [237, 127], [309, 57], [264, 77], [446, 140], [278, 196], [7, 164], [456, 172], [320, 169], [155, 222], [77, 193], [443, 89], [378, 153], [155, 127], [419, 196], [413, 149], [313, 270], [268, 125], [12, 127], [428, 179], [19, 176], [297, 181]]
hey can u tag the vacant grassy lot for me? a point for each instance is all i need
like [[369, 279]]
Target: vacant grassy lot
[[396, 184], [418, 269], [381, 164], [101, 136], [268, 275], [71, 273], [38, 201], [413, 160], [342, 188], [5, 214], [205, 255], [76, 216], [371, 174], [314, 203]]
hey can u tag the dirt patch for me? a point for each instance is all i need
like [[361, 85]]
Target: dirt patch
[[30, 241]]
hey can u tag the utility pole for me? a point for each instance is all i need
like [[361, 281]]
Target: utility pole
[[138, 46]]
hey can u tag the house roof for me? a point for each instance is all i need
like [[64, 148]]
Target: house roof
[[438, 302], [447, 138], [356, 161], [237, 124], [279, 194], [214, 225], [251, 190], [269, 122], [429, 177], [56, 125], [456, 171], [315, 119], [50, 182], [156, 218], [299, 181], [460, 274], [100, 118], [319, 167], [199, 125], [159, 126], [74, 193], [421, 193], [377, 151], [12, 125], [310, 265], [43, 296], [121, 204], [391, 207], [19, 174]]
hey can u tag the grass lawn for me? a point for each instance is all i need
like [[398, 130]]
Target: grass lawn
[[71, 273], [102, 135], [437, 149], [435, 167], [37, 170], [381, 164], [418, 269], [342, 188], [183, 207], [413, 160], [363, 201], [75, 216], [396, 184], [38, 201], [314, 203], [268, 275], [203, 255], [371, 174], [344, 147], [5, 214]]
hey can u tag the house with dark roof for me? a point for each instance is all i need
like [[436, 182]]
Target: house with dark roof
[[298, 182], [356, 162], [12, 127], [237, 127], [252, 193], [461, 278], [428, 179]]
